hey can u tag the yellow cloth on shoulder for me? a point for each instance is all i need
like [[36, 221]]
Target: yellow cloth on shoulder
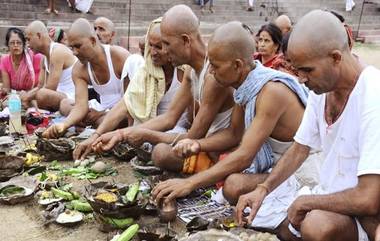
[[147, 87]]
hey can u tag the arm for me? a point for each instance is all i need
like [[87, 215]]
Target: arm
[[6, 82], [80, 79], [227, 138], [56, 67], [113, 118], [362, 200], [215, 97], [221, 141], [267, 115]]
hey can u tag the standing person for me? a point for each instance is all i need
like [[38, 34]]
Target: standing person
[[203, 3], [350, 5], [250, 5], [342, 118], [51, 7], [20, 69]]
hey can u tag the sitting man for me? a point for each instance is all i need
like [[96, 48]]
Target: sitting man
[[105, 30], [211, 102], [269, 106], [99, 65], [149, 93], [342, 118], [58, 64], [283, 22]]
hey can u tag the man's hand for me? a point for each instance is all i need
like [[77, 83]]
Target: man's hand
[[187, 147], [107, 141], [252, 200], [377, 237], [82, 149], [297, 211], [92, 116], [172, 189], [55, 131]]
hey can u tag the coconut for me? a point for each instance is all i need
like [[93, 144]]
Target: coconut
[[77, 163], [10, 166], [168, 211], [99, 167], [69, 218]]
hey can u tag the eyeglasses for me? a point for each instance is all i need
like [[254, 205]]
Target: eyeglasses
[[14, 43]]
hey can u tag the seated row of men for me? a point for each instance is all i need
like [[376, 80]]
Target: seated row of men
[[296, 163]]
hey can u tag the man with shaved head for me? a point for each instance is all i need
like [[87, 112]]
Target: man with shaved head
[[105, 30], [283, 22], [269, 107], [211, 103], [100, 66], [58, 64], [342, 118]]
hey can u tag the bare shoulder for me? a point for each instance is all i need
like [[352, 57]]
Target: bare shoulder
[[276, 91], [119, 53]]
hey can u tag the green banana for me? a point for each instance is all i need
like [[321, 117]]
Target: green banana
[[62, 194], [132, 192], [129, 233]]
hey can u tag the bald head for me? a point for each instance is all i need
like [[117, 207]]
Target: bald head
[[232, 41], [105, 30], [37, 27], [326, 34], [107, 23], [180, 19], [81, 28], [284, 23]]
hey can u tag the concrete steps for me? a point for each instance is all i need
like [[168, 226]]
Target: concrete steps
[[21, 12]]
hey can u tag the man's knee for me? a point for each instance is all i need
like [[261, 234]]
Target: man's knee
[[317, 227], [232, 188], [159, 155], [66, 106]]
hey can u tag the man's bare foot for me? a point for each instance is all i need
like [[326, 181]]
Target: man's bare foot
[[211, 10], [55, 12], [202, 10], [250, 9], [48, 10]]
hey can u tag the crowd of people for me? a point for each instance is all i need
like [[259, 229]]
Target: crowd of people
[[83, 6], [284, 121]]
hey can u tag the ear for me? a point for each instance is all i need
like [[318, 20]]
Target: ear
[[93, 40], [238, 63], [186, 39], [38, 35], [336, 56]]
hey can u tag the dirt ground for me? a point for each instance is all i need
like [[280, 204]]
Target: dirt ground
[[23, 222]]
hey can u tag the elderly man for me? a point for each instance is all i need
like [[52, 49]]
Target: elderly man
[[284, 23], [99, 65], [343, 118], [105, 30], [58, 64], [211, 103], [269, 105]]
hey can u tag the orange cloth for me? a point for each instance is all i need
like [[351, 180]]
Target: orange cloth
[[197, 163]]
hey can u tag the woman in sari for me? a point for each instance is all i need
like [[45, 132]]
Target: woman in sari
[[21, 67]]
